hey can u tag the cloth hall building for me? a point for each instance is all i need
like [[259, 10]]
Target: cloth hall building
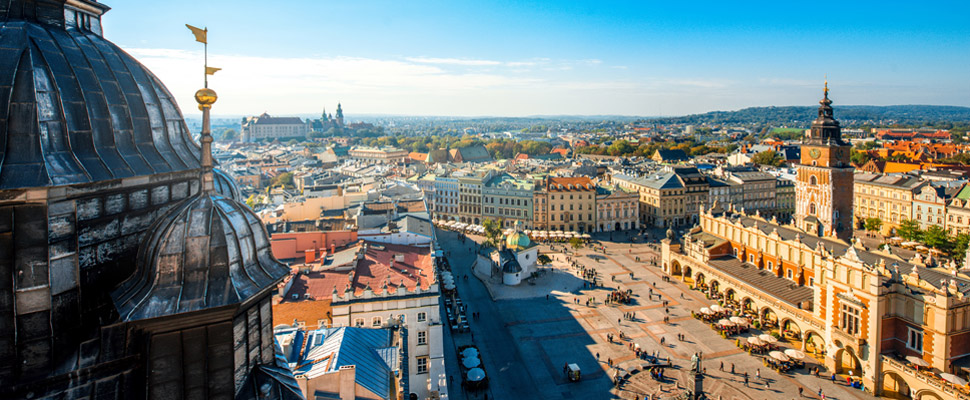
[[863, 312]]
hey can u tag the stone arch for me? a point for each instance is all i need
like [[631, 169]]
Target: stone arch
[[813, 343], [688, 273], [747, 304], [895, 387], [675, 268], [768, 318], [699, 279], [846, 360], [790, 329], [715, 285], [927, 394], [730, 295], [476, 221]]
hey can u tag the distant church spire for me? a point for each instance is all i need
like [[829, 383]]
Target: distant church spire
[[324, 115]]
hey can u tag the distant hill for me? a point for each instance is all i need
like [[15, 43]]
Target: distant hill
[[802, 116]]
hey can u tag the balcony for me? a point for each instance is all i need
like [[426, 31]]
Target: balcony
[[923, 380]]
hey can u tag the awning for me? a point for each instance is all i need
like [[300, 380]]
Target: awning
[[768, 339], [796, 354], [779, 356], [956, 380]]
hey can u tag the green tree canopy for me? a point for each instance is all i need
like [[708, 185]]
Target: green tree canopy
[[909, 229], [543, 259], [229, 134], [768, 157], [873, 224], [285, 180], [493, 230]]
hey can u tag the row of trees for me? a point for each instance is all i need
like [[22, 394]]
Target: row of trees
[[620, 148], [954, 246]]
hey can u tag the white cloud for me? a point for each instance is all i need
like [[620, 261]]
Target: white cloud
[[452, 61]]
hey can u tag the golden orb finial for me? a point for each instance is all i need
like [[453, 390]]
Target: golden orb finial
[[826, 86], [206, 98]]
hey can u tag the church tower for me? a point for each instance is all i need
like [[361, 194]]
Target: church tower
[[824, 187], [340, 115]]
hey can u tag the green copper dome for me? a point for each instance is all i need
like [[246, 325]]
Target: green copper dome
[[518, 241]]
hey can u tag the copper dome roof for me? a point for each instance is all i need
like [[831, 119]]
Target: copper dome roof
[[207, 252]]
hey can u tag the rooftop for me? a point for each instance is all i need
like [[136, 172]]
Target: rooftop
[[385, 264]]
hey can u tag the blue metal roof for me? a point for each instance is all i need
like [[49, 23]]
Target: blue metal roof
[[369, 350]]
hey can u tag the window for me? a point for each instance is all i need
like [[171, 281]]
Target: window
[[811, 209], [422, 365], [915, 341], [422, 317], [790, 274], [422, 338], [850, 319], [359, 322], [376, 321], [771, 265], [811, 282]]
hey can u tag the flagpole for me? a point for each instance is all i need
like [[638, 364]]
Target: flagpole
[[205, 71]]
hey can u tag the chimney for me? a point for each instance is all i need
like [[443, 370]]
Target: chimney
[[348, 382], [308, 256], [316, 251]]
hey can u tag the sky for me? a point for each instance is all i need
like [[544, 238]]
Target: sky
[[525, 57]]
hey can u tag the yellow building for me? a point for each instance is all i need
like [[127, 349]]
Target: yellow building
[[887, 197], [571, 204]]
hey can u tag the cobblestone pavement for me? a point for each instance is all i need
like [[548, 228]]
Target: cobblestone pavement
[[533, 338]]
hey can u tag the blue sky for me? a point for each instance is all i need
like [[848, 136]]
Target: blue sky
[[515, 58]]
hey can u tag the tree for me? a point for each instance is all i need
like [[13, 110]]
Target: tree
[[493, 230], [935, 237], [873, 224], [251, 201], [285, 180], [293, 142], [958, 250], [229, 134], [768, 157], [859, 157], [576, 243], [909, 229], [543, 259]]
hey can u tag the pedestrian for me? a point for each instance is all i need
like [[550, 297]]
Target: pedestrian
[[722, 366], [800, 390], [732, 368], [745, 380], [820, 391], [757, 374], [767, 385], [598, 358], [662, 339]]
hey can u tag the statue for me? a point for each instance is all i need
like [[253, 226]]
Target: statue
[[670, 234], [695, 363]]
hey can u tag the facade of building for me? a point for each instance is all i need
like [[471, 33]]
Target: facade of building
[[368, 286], [784, 199], [377, 155], [887, 197], [929, 203], [571, 204], [824, 186], [616, 209], [267, 127], [867, 314], [446, 198], [508, 199], [470, 184]]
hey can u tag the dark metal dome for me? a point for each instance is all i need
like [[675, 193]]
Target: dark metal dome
[[225, 184], [209, 251], [82, 110]]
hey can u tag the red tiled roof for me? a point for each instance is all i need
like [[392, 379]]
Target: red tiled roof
[[373, 271]]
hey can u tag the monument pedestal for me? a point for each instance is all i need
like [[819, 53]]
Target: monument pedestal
[[695, 384]]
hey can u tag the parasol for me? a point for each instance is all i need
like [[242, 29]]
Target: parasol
[[796, 354], [779, 356], [476, 375], [956, 380], [469, 352], [471, 362], [768, 338]]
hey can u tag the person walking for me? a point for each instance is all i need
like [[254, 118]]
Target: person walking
[[800, 390], [722, 366], [746, 380], [757, 373], [732, 368]]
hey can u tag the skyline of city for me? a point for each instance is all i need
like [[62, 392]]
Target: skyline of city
[[526, 59]]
